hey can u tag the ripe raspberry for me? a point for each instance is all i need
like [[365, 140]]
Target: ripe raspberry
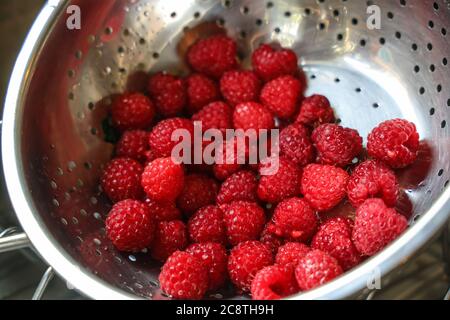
[[316, 269], [336, 145], [272, 241], [160, 138], [315, 110], [252, 115], [281, 96], [241, 185], [395, 142], [335, 238], [289, 254], [201, 91], [207, 225], [213, 56], [170, 236], [199, 191], [216, 115], [133, 144], [269, 63], [168, 92], [294, 220], [163, 211], [324, 186], [121, 179], [245, 260], [229, 159], [279, 185], [214, 257], [132, 111], [163, 180], [296, 145], [372, 179], [376, 226], [243, 221], [240, 86], [184, 276], [273, 283], [129, 226]]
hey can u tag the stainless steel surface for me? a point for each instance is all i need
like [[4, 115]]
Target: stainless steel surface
[[13, 242], [52, 141], [43, 284]]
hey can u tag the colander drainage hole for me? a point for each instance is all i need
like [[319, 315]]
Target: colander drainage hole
[[443, 124], [432, 111]]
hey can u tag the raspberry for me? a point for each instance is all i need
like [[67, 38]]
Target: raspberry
[[372, 179], [132, 111], [281, 96], [199, 191], [245, 260], [214, 257], [315, 110], [216, 115], [163, 180], [163, 211], [289, 254], [336, 145], [160, 138], [129, 226], [269, 63], [335, 238], [207, 225], [296, 145], [241, 185], [376, 226], [395, 142], [121, 179], [184, 276], [170, 236], [213, 56], [273, 283], [243, 221], [133, 144], [252, 115], [272, 241], [201, 91], [229, 159], [240, 86], [294, 220], [324, 186], [168, 92], [279, 185]]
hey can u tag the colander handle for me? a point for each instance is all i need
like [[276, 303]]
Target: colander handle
[[11, 240]]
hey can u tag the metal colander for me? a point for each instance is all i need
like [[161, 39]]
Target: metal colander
[[53, 141]]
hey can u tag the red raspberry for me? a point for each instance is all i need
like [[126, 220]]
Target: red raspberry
[[160, 138], [163, 180], [324, 186], [269, 63], [372, 179], [395, 142], [336, 145], [315, 110], [133, 144], [201, 91], [296, 145], [335, 238], [216, 115], [316, 269], [207, 225], [245, 260], [252, 115], [213, 56], [214, 257], [376, 226], [241, 185], [294, 220], [273, 283], [243, 221], [281, 184], [281, 96], [229, 159], [272, 241], [121, 179], [168, 92], [240, 86], [129, 226], [199, 191], [132, 111], [163, 211], [289, 254], [170, 236], [184, 276]]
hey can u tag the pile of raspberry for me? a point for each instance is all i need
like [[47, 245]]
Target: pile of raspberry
[[269, 235]]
